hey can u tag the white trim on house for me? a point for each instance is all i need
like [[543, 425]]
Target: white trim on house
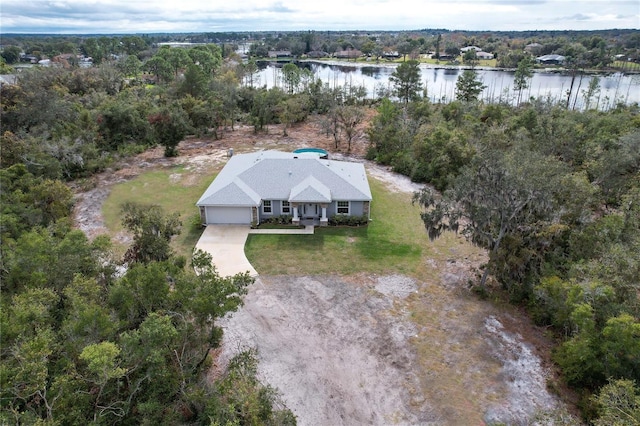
[[287, 206]]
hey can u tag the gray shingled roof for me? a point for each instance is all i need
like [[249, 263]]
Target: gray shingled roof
[[544, 58], [236, 193], [272, 175], [310, 190]]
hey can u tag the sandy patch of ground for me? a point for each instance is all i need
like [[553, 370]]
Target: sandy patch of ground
[[347, 351], [525, 377], [332, 348]]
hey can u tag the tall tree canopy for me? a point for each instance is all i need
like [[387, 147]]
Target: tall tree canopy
[[468, 86], [406, 81], [494, 196]]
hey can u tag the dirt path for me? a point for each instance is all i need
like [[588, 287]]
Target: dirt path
[[367, 350]]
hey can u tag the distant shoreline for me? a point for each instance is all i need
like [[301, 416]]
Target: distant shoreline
[[426, 65]]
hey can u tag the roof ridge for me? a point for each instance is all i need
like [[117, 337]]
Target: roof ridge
[[246, 189]]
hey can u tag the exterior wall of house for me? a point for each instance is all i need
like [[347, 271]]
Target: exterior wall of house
[[276, 210], [356, 208]]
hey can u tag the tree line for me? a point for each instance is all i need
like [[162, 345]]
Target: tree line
[[591, 49], [550, 192]]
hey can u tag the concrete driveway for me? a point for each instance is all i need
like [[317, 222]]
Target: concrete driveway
[[225, 243]]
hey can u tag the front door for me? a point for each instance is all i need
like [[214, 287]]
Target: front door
[[310, 210]]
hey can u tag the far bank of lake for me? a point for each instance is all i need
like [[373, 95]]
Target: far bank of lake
[[440, 82]]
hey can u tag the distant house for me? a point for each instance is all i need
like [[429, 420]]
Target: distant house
[[66, 60], [444, 57], [260, 185], [279, 53], [32, 59], [551, 59], [348, 54], [467, 48], [85, 62], [484, 55], [317, 54]]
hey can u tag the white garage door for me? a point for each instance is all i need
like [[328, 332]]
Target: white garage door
[[229, 215]]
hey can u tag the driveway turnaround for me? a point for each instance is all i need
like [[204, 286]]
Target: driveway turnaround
[[225, 244]]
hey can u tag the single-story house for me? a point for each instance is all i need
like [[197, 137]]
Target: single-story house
[[348, 54], [32, 59], [467, 48], [444, 57], [256, 186], [317, 54], [551, 59], [279, 53], [484, 55]]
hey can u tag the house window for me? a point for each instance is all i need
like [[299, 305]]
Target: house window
[[266, 207], [286, 207], [343, 207]]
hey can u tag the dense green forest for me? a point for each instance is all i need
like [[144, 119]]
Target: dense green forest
[[553, 194]]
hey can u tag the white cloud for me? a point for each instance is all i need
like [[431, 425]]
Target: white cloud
[[118, 16]]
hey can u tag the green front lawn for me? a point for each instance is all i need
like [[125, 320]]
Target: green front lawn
[[394, 241]]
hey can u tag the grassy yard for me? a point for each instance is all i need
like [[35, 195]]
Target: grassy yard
[[176, 190], [394, 241]]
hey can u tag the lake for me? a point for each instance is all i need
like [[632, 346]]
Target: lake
[[441, 83]]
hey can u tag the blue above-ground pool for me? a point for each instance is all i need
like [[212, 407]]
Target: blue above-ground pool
[[321, 153]]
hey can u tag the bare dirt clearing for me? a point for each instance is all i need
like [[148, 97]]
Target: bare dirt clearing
[[332, 349], [382, 350], [366, 349]]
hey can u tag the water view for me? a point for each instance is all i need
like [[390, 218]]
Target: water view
[[441, 83]]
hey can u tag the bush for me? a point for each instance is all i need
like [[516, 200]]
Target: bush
[[403, 163], [285, 219], [344, 220]]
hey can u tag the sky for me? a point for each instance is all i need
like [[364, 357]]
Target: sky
[[186, 16]]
